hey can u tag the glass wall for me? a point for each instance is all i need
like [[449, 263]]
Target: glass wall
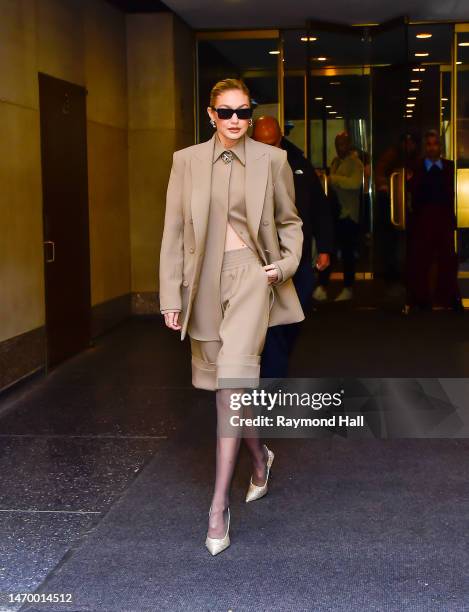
[[384, 86]]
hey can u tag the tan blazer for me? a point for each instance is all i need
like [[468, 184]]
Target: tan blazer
[[272, 220]]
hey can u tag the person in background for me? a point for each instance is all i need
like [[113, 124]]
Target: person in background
[[432, 264], [315, 212], [396, 157], [346, 182]]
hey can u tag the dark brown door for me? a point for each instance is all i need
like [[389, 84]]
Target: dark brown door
[[65, 216]]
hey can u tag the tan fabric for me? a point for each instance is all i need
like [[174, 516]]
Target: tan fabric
[[227, 204], [237, 202], [271, 218], [234, 360]]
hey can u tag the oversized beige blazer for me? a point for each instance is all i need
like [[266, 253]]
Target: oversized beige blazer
[[272, 220]]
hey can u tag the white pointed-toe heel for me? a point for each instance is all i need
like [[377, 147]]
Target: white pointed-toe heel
[[216, 545], [254, 491]]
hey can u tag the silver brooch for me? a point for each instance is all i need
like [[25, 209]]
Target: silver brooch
[[227, 156]]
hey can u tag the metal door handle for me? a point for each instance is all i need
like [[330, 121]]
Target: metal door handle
[[324, 182], [400, 223], [391, 195], [53, 250]]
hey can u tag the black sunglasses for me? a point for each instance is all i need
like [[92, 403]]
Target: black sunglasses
[[227, 113]]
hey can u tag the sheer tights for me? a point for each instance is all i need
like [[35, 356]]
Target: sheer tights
[[226, 456]]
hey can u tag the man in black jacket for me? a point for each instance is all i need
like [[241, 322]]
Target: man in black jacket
[[315, 212]]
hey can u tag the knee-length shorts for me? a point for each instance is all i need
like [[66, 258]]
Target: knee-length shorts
[[246, 297]]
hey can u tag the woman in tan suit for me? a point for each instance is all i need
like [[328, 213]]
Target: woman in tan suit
[[232, 240]]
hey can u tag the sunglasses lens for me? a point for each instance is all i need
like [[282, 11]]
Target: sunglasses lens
[[227, 113], [244, 113]]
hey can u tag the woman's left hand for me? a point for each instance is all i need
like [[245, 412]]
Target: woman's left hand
[[272, 273]]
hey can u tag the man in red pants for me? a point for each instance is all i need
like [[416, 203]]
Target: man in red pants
[[432, 263]]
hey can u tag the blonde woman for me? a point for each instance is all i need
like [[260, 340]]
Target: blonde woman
[[232, 240]]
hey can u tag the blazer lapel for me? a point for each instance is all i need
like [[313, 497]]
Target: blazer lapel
[[256, 175], [201, 171]]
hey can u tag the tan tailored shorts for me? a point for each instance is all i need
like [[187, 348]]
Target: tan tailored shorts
[[246, 299]]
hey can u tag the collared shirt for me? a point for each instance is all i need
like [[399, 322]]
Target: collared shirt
[[238, 149], [429, 163], [237, 204]]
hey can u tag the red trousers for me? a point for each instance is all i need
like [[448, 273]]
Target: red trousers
[[432, 263]]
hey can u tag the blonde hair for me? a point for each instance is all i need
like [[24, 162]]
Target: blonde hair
[[226, 85]]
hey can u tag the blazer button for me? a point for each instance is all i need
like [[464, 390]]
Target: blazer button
[[265, 223], [191, 250], [185, 283]]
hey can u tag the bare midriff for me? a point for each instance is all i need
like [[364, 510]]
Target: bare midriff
[[232, 240]]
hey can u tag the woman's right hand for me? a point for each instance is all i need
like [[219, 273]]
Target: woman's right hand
[[171, 320]]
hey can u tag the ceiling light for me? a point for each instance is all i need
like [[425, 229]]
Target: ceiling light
[[321, 59], [424, 35], [410, 104], [334, 83], [411, 98], [458, 62], [328, 105], [319, 98], [463, 44], [274, 52], [332, 112], [310, 38], [414, 89], [422, 54], [339, 117], [418, 69], [444, 99]]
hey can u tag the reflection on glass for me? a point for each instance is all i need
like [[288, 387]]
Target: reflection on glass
[[462, 140], [294, 68], [295, 111]]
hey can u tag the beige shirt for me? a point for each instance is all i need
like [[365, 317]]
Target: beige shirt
[[346, 178]]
